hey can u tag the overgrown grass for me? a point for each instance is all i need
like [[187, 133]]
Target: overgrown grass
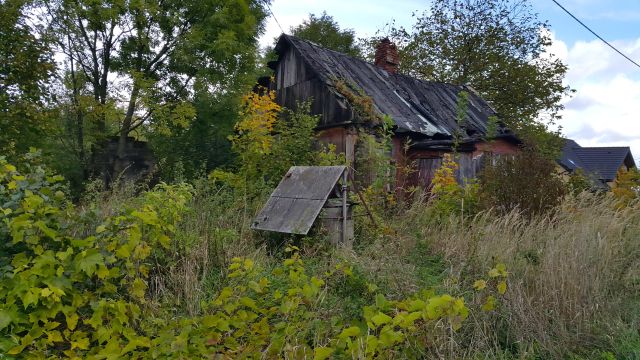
[[574, 277], [573, 290]]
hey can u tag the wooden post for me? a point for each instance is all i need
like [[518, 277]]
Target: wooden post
[[344, 207]]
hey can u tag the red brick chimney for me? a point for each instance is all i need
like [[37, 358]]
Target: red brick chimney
[[387, 56]]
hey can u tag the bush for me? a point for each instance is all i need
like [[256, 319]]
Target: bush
[[70, 290], [64, 293], [527, 181], [448, 197], [627, 186]]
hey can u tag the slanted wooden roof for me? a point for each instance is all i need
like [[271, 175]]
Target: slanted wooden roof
[[423, 107], [296, 203]]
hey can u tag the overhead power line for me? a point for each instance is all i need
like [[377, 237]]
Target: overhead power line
[[274, 18], [594, 33]]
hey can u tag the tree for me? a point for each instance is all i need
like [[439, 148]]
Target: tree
[[496, 46], [326, 32], [626, 187], [142, 62], [25, 67]]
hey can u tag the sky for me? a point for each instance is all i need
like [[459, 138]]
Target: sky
[[604, 110]]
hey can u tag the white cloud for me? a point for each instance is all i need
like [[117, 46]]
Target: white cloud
[[605, 110]]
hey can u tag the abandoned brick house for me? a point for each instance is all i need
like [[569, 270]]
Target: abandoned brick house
[[424, 113]]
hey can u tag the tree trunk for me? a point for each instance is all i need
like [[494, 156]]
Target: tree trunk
[[79, 120], [121, 162]]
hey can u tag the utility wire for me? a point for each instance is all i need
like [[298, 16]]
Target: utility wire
[[598, 36], [274, 17]]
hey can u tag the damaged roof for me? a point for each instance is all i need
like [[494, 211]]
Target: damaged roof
[[601, 163], [418, 106]]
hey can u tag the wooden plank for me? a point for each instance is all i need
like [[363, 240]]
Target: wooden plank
[[297, 201]]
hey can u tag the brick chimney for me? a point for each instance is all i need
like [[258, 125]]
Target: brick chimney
[[387, 56]]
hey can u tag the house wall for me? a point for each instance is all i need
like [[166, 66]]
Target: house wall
[[296, 82], [498, 146], [418, 166], [344, 138]]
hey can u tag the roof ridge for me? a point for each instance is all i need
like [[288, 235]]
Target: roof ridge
[[605, 147]]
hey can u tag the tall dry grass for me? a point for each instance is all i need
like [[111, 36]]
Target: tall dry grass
[[574, 274], [574, 283]]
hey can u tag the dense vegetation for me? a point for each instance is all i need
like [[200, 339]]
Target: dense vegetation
[[174, 271], [519, 263]]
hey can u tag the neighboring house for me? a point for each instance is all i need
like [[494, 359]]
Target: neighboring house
[[424, 113], [600, 164]]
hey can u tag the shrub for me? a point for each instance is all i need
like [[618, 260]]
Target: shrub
[[269, 140], [276, 316], [73, 293], [579, 182], [526, 181], [64, 294], [448, 197], [627, 186]]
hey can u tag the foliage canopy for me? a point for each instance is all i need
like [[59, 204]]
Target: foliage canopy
[[326, 32], [499, 48]]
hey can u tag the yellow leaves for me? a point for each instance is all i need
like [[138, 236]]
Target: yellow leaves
[[10, 168], [248, 264], [626, 186], [479, 285], [240, 267], [81, 343], [489, 304], [45, 292], [502, 287], [445, 176], [500, 270], [54, 336], [138, 288], [259, 114], [72, 320]]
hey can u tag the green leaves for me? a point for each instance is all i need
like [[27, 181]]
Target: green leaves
[[349, 332], [325, 31], [321, 353], [70, 296], [5, 318], [381, 319], [88, 261]]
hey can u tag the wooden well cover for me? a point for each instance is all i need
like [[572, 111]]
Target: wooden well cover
[[296, 203]]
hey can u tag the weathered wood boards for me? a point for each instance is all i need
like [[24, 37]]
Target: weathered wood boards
[[297, 201]]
